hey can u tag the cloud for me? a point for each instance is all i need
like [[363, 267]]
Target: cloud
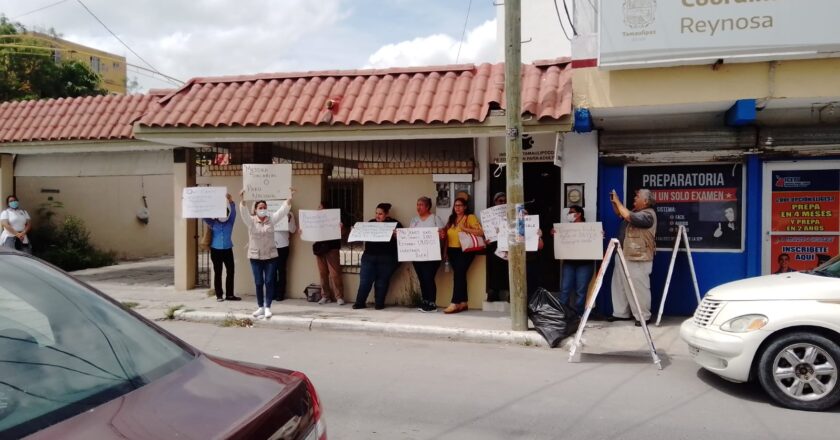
[[479, 46]]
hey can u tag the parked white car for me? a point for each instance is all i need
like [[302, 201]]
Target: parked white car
[[783, 330]]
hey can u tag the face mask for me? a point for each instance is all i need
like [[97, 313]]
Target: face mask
[[571, 217], [14, 204], [262, 213]]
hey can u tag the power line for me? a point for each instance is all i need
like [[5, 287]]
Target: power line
[[569, 17], [39, 9], [118, 38], [562, 26], [463, 32]]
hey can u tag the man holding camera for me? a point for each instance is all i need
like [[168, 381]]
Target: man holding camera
[[637, 235]]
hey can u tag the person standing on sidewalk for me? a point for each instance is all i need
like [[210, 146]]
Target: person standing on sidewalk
[[426, 270], [282, 240], [16, 224], [221, 252], [637, 235], [576, 273], [379, 261], [497, 266], [261, 249], [461, 220], [328, 256]]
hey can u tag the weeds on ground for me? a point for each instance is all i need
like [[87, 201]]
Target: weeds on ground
[[170, 312], [130, 304], [232, 321]]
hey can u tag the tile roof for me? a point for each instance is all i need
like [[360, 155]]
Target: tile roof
[[70, 119], [425, 95]]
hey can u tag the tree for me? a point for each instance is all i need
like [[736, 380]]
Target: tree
[[28, 71]]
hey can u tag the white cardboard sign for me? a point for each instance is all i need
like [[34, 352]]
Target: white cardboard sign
[[578, 241], [418, 244], [273, 206], [204, 202], [532, 237], [491, 218], [267, 181], [320, 225], [372, 231]]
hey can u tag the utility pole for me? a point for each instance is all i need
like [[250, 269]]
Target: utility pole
[[513, 156]]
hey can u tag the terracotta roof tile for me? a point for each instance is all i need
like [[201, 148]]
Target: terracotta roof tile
[[87, 118], [434, 94]]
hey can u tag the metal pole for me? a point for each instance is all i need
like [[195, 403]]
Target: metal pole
[[513, 157]]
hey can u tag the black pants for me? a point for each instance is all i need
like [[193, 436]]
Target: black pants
[[220, 257], [282, 261], [460, 262], [426, 271]]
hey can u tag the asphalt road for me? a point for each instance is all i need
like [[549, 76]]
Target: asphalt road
[[375, 387]]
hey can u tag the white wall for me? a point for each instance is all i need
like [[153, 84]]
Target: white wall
[[580, 165], [539, 24]]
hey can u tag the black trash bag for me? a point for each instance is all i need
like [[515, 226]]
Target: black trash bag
[[552, 319]]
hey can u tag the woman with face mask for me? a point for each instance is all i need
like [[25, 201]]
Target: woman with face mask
[[261, 249], [576, 273], [379, 261], [221, 252], [16, 224]]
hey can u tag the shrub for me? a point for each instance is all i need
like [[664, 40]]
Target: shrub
[[66, 245]]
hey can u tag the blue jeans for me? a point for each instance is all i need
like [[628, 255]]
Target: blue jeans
[[576, 277], [264, 278], [375, 272]]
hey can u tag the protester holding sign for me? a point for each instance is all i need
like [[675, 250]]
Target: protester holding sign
[[461, 220], [637, 235], [426, 270], [497, 266], [221, 252], [328, 257], [261, 249], [16, 225], [282, 240], [379, 261], [576, 273]]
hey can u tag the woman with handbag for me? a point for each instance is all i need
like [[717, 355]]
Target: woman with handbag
[[16, 224], [464, 237]]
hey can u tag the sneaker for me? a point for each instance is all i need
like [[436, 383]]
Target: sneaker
[[233, 298], [341, 302], [359, 306], [324, 300], [220, 300], [427, 309], [268, 313], [379, 306], [260, 312]]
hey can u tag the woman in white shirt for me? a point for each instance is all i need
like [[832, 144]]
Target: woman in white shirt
[[281, 241], [261, 249], [426, 270], [16, 224]]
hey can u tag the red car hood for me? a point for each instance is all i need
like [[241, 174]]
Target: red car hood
[[208, 398]]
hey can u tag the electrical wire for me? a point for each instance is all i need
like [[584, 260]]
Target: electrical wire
[[463, 32], [562, 26], [568, 16], [39, 9]]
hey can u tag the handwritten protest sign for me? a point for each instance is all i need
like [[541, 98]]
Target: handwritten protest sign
[[273, 206], [266, 181], [418, 244], [324, 224], [578, 241], [532, 237], [204, 202], [372, 231], [490, 220]]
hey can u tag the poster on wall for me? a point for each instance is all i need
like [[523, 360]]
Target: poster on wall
[[706, 199], [791, 253], [805, 201]]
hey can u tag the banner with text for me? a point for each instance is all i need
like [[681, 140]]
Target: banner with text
[[267, 181], [706, 199], [372, 231], [418, 244], [319, 225], [491, 218], [532, 236], [204, 202], [579, 241], [805, 201], [801, 252]]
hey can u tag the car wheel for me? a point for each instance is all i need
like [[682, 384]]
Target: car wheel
[[800, 371]]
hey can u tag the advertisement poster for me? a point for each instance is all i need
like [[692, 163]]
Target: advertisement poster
[[706, 199], [806, 201], [791, 253]]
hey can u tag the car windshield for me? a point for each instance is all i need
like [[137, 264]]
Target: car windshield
[[830, 268], [65, 350]]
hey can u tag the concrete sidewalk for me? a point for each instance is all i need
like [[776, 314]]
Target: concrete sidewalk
[[149, 284]]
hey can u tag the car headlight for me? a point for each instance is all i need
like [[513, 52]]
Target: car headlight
[[744, 324]]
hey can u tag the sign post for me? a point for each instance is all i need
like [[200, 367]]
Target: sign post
[[681, 235], [614, 246]]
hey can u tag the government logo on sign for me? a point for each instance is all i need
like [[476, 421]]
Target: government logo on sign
[[639, 14]]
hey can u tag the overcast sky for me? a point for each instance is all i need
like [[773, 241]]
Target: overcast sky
[[200, 38]]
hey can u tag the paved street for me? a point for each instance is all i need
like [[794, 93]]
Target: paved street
[[390, 388]]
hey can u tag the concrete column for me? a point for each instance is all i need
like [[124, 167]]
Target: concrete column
[[482, 156], [7, 176], [185, 230]]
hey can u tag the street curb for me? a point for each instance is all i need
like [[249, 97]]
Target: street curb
[[387, 329]]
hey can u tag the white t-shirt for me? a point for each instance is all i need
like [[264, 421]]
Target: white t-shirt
[[17, 218], [432, 221]]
